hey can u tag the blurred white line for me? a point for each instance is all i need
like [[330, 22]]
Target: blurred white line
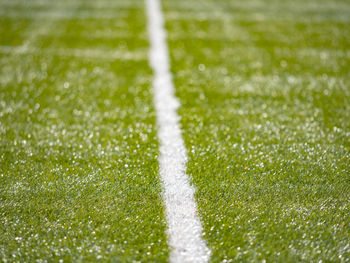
[[184, 227], [88, 53]]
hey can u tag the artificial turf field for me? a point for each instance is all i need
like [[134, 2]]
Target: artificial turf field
[[265, 115]]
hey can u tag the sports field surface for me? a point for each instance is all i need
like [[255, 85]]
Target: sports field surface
[[264, 111]]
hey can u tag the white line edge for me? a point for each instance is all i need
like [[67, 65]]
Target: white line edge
[[184, 227]]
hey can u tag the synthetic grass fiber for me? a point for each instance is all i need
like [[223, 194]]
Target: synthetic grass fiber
[[264, 89], [78, 168], [265, 115]]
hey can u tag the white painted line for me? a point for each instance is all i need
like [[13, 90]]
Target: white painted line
[[101, 54], [184, 227]]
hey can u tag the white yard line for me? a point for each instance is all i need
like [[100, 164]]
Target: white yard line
[[184, 227]]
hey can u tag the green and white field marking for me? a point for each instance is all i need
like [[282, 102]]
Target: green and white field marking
[[87, 146], [78, 140], [184, 227], [265, 112]]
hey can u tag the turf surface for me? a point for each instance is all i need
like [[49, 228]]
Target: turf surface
[[265, 115], [266, 119], [78, 152]]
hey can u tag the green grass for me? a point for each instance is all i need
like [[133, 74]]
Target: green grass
[[266, 119], [78, 152], [265, 113]]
